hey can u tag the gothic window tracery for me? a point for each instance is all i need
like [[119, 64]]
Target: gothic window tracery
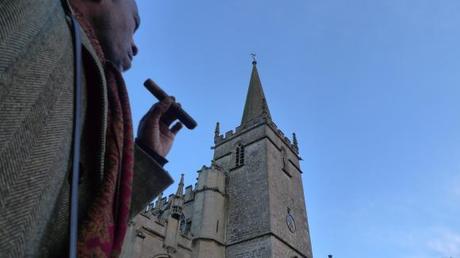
[[239, 155], [185, 225]]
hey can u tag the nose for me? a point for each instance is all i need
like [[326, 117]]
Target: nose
[[134, 48]]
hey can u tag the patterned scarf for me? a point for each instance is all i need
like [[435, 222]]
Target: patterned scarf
[[102, 234]]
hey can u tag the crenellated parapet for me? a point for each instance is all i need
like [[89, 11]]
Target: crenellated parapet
[[293, 145], [211, 178], [189, 194], [222, 138], [249, 125]]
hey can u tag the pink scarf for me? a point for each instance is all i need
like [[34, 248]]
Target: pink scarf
[[102, 234]]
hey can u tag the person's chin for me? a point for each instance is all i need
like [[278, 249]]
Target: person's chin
[[126, 64]]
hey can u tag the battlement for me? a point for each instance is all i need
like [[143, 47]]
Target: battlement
[[222, 138], [292, 144], [284, 138], [213, 167], [203, 168], [212, 177], [219, 138], [189, 193], [164, 201]]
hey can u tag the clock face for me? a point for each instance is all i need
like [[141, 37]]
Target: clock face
[[290, 223]]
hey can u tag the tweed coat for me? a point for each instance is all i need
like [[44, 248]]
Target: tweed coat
[[36, 112]]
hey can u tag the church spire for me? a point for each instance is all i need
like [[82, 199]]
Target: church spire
[[180, 187], [256, 104]]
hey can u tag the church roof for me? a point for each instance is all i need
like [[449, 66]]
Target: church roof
[[256, 104]]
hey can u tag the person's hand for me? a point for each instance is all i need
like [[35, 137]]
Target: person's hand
[[154, 128]]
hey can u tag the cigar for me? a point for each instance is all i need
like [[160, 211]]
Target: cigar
[[160, 94]]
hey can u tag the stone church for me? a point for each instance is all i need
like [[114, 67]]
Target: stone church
[[248, 203]]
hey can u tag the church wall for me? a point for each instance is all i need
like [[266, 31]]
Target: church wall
[[280, 249], [128, 249], [256, 248], [146, 238], [209, 214], [139, 241], [207, 248], [208, 218], [148, 247], [275, 138], [209, 205], [286, 192], [248, 213], [172, 228]]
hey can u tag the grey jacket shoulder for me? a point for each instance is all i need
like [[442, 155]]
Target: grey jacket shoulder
[[36, 89]]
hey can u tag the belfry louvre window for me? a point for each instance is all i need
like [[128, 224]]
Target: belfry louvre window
[[239, 157]]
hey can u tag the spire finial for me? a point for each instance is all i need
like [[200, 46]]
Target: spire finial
[[294, 141], [254, 61], [217, 130]]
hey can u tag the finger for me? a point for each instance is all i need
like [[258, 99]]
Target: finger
[[159, 109], [165, 104], [176, 128], [170, 116]]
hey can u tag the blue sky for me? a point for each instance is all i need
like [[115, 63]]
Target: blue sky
[[371, 88]]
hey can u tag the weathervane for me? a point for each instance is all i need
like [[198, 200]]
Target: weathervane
[[254, 61]]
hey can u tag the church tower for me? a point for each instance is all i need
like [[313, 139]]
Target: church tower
[[249, 203], [265, 206]]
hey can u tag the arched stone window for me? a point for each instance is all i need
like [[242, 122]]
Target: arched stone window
[[239, 155], [185, 225]]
